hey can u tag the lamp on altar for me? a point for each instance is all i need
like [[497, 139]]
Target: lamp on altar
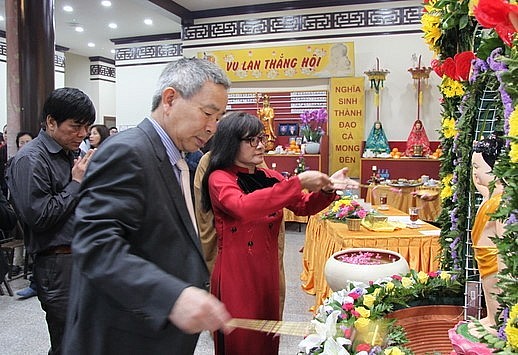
[[377, 77]]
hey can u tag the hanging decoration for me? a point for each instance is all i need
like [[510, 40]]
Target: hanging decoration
[[420, 75], [377, 77]]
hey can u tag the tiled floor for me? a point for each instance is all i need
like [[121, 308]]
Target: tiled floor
[[23, 330]]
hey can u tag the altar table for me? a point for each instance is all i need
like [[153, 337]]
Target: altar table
[[324, 238], [402, 197]]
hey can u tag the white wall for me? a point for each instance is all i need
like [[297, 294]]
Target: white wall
[[101, 92], [135, 89]]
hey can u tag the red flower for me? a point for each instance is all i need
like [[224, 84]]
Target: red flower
[[463, 65], [456, 68], [433, 274], [495, 14], [448, 67], [363, 347], [437, 67], [355, 313], [397, 277]]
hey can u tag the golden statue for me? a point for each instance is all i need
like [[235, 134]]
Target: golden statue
[[266, 115]]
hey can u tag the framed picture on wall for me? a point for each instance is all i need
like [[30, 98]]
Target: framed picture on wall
[[293, 129], [283, 129]]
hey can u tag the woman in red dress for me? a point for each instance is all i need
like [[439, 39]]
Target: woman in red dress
[[248, 203]]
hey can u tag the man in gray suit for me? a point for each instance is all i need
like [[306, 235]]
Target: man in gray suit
[[139, 283]]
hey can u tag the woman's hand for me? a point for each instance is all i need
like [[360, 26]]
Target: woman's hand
[[340, 181]]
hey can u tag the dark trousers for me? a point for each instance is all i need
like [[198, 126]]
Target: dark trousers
[[52, 277]]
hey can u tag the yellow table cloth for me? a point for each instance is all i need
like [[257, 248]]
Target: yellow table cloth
[[289, 216], [324, 238]]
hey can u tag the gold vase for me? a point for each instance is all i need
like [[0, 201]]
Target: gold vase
[[353, 224]]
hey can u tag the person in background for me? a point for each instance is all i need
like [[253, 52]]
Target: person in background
[[3, 161], [7, 215], [7, 222], [22, 138], [44, 180], [139, 281], [98, 133], [113, 130], [247, 203]]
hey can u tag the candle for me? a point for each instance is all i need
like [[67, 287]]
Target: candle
[[274, 166], [374, 168]]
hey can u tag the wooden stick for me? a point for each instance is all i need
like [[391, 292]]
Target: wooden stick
[[272, 326]]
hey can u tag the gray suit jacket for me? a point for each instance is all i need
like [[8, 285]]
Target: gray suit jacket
[[135, 250]]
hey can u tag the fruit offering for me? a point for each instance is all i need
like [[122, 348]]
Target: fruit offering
[[437, 154], [395, 153], [293, 148]]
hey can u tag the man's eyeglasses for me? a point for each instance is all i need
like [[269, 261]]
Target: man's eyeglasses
[[254, 141]]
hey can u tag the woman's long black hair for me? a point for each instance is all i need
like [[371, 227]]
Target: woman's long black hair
[[232, 129]]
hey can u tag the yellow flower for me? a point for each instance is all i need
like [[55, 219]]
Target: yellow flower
[[392, 351], [513, 153], [361, 323], [446, 192], [432, 30], [512, 336], [445, 276], [364, 312], [430, 7], [368, 300], [446, 180], [451, 88], [513, 123], [448, 127], [510, 329], [389, 286], [377, 292], [422, 277], [406, 282]]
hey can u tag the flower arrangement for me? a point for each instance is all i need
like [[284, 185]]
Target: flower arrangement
[[352, 320], [312, 124], [503, 63], [345, 208], [448, 26]]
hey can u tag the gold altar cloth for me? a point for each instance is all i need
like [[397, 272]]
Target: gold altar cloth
[[324, 238]]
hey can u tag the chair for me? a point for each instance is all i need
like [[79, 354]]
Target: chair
[[9, 244], [4, 269]]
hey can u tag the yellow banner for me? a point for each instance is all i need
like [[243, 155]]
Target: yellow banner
[[346, 121], [291, 62]]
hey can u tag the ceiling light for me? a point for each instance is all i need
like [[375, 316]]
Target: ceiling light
[[112, 51], [148, 21], [106, 3], [79, 29], [112, 25], [1, 18], [68, 8], [91, 44]]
